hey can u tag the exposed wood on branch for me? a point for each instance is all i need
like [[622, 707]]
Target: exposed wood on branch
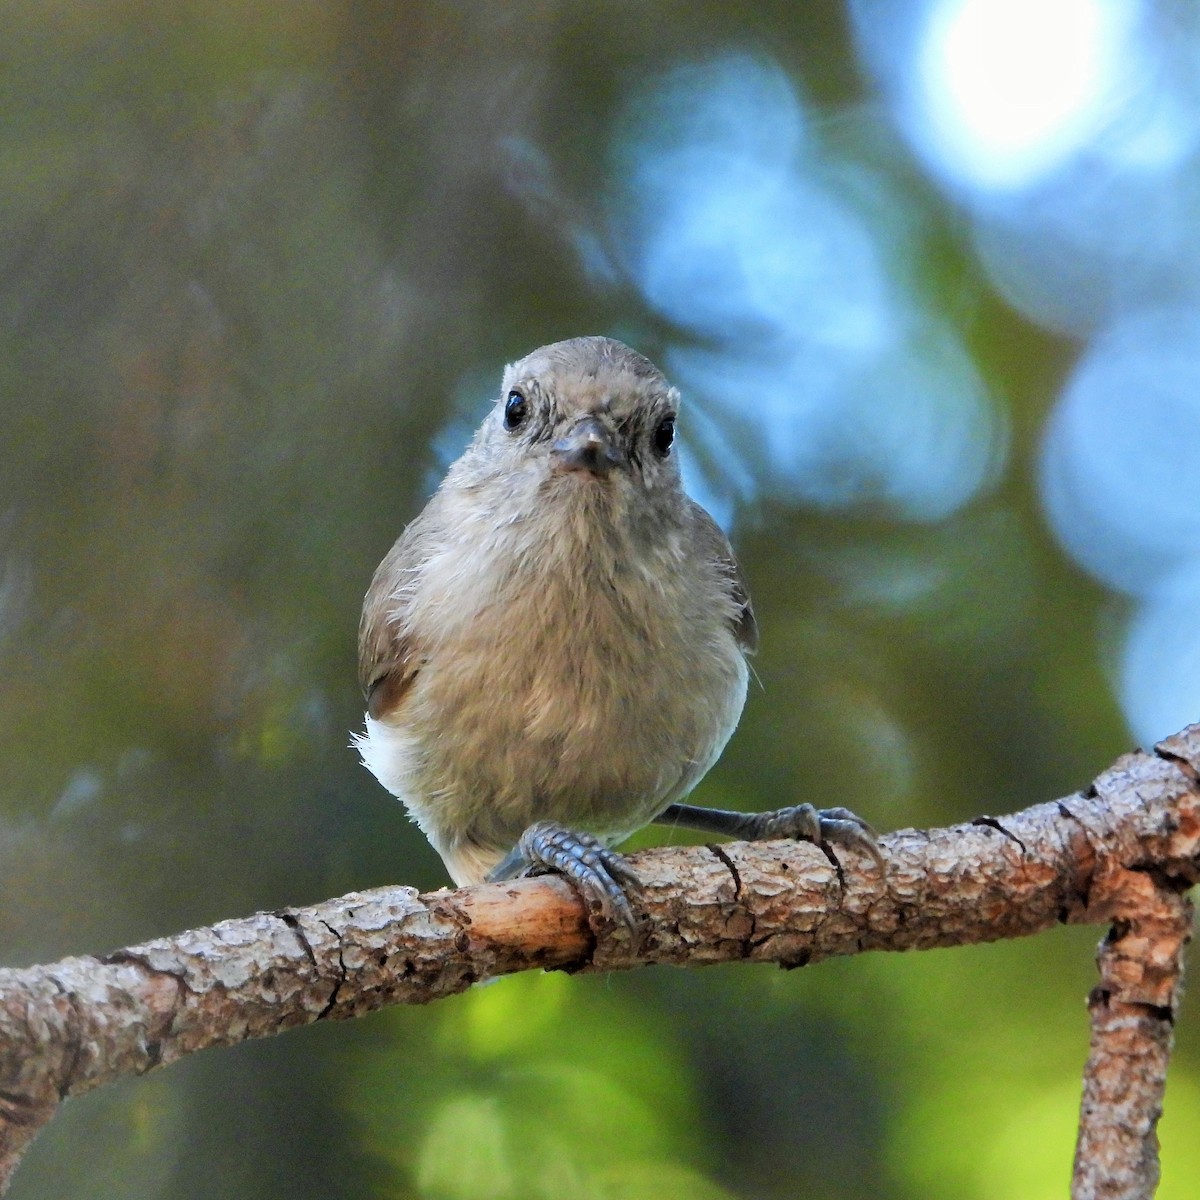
[[1119, 854]]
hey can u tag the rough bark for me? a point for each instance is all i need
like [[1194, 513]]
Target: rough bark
[[1133, 1010], [1120, 854]]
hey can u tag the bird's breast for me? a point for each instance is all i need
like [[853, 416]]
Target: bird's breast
[[590, 688]]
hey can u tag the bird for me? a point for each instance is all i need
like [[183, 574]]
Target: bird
[[554, 652]]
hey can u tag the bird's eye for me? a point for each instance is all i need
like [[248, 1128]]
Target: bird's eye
[[664, 435], [516, 409]]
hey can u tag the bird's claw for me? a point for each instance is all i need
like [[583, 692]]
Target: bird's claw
[[601, 875], [821, 826]]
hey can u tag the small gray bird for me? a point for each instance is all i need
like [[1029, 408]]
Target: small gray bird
[[554, 652]]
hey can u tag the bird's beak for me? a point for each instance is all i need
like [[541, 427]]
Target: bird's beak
[[589, 446]]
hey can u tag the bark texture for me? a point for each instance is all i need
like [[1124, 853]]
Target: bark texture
[[1121, 854], [1133, 1010]]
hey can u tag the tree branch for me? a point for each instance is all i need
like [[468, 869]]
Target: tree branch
[[1133, 1011], [1120, 853]]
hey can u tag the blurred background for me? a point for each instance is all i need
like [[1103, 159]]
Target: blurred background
[[928, 276]]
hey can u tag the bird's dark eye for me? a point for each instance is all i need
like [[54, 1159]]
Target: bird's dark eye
[[516, 409], [664, 435]]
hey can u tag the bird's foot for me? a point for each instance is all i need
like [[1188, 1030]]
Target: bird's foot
[[602, 876], [821, 826]]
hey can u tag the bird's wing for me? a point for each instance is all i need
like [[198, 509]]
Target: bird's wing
[[715, 548], [388, 655]]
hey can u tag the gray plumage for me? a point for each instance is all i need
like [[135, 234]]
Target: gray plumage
[[561, 634]]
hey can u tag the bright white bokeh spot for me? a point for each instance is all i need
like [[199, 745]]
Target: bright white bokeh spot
[[1008, 89], [1068, 130]]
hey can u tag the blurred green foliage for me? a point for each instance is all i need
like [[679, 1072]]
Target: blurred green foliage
[[259, 268]]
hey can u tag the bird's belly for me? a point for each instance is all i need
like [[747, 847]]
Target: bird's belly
[[589, 735]]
